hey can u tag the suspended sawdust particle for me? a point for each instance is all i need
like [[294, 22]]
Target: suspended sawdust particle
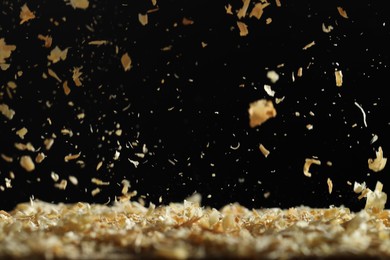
[[243, 28], [307, 46], [330, 185], [260, 111], [98, 42], [264, 150], [66, 88], [186, 21], [243, 10], [379, 162], [339, 78], [25, 14], [258, 10], [342, 12], [81, 4], [57, 54], [5, 53], [126, 61], [48, 40], [308, 163], [7, 111], [27, 163], [76, 76], [143, 19]]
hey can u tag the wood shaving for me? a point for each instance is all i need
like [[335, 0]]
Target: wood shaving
[[57, 54], [66, 88], [330, 185], [22, 132], [98, 42], [264, 150], [70, 157], [307, 165], [48, 40], [27, 163], [25, 14], [143, 19], [228, 9], [99, 182], [258, 10], [327, 29], [25, 147], [7, 158], [243, 28], [309, 45], [278, 3], [260, 111], [5, 53], [54, 75], [186, 21], [339, 78], [243, 10], [62, 185], [7, 111], [81, 4], [342, 12], [126, 61], [40, 157], [76, 76], [379, 163]]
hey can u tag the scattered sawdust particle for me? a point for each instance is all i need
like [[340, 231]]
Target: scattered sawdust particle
[[379, 162], [81, 4], [48, 142], [307, 46], [27, 163], [126, 61], [70, 157], [48, 40], [264, 150], [243, 10], [99, 165], [62, 185], [23, 147], [25, 14], [95, 191], [7, 158], [228, 9], [5, 53], [330, 185], [268, 20], [7, 111], [258, 10], [243, 28], [260, 111], [98, 42], [54, 75], [73, 180], [339, 78], [99, 182], [76, 76], [57, 54], [143, 19], [278, 4], [308, 163], [40, 157], [186, 21], [66, 87], [22, 132], [342, 12]]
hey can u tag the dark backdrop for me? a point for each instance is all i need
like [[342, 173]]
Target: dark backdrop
[[188, 106]]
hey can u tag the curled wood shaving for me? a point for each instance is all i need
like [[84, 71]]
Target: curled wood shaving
[[379, 163], [342, 12], [308, 163]]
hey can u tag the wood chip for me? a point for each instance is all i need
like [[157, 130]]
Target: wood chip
[[264, 150], [379, 163], [260, 111], [126, 61], [342, 12], [81, 4], [27, 163], [143, 19], [57, 54], [243, 28], [339, 78], [25, 14], [330, 185], [48, 40]]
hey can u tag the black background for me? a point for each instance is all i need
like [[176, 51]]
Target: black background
[[189, 105]]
